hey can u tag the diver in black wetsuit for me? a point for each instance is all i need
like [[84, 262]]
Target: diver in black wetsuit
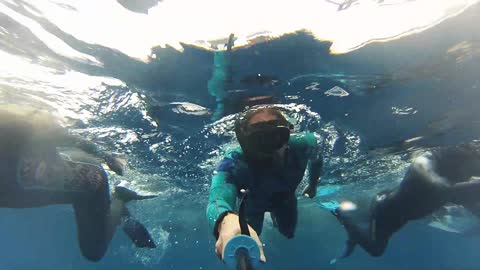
[[36, 171], [442, 175]]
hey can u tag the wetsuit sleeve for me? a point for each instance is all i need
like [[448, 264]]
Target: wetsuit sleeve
[[69, 140], [315, 159], [115, 163], [223, 194]]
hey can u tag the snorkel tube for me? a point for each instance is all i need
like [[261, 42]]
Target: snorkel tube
[[242, 251]]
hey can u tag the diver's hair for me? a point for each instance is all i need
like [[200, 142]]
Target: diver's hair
[[242, 122]]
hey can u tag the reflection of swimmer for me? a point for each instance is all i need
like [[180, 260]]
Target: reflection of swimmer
[[382, 2], [440, 176], [33, 173], [269, 164], [221, 79], [344, 5], [220, 85]]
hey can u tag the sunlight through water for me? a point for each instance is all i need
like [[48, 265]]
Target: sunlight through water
[[172, 21]]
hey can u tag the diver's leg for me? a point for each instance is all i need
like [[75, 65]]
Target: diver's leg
[[285, 214], [97, 216], [421, 192], [94, 226], [466, 193], [97, 220]]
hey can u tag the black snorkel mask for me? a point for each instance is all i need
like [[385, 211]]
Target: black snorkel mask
[[260, 141], [267, 137]]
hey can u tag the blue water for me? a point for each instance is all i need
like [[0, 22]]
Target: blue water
[[424, 84]]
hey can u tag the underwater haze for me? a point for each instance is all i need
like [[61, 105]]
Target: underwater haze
[[376, 81]]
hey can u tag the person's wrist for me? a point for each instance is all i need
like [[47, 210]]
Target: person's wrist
[[218, 223], [227, 221]]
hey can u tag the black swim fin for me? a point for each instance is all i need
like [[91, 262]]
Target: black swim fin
[[138, 233], [349, 248], [124, 194], [363, 228]]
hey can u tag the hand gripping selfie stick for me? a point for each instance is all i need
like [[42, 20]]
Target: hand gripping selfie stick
[[242, 251]]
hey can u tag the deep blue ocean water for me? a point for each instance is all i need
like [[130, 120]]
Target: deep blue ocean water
[[158, 113]]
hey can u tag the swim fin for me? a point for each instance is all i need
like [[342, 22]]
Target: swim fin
[[349, 248], [137, 233], [368, 226]]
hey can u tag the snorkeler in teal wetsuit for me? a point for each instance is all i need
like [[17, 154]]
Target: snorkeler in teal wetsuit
[[270, 164], [41, 164]]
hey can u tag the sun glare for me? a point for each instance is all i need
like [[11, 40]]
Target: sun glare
[[197, 22]]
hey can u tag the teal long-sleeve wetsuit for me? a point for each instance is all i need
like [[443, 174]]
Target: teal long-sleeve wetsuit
[[271, 190]]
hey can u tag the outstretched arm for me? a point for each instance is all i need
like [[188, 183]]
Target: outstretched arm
[[222, 197], [222, 219]]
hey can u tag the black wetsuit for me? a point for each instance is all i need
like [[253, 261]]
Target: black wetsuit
[[35, 171], [437, 177], [440, 176], [34, 179]]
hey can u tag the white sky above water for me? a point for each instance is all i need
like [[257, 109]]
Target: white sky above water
[[172, 21]]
